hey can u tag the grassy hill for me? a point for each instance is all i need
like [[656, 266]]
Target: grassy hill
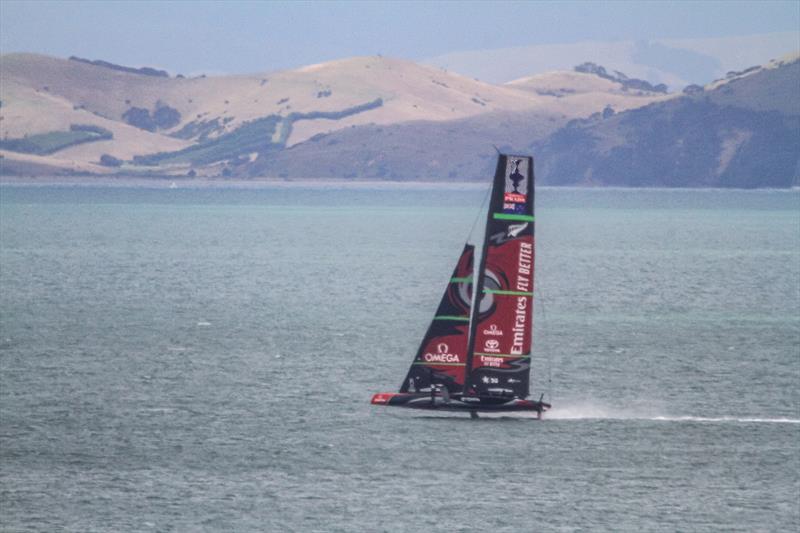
[[209, 125], [390, 119]]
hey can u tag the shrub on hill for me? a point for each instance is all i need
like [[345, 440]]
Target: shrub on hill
[[201, 129], [252, 136], [146, 71], [163, 117], [619, 77], [139, 117], [91, 128], [110, 161], [53, 141], [693, 90]]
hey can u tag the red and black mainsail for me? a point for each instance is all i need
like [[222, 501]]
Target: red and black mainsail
[[499, 349]]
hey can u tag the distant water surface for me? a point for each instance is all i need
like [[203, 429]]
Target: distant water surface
[[203, 359]]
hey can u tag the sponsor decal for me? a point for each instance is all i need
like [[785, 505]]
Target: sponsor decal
[[524, 266], [514, 198], [491, 361], [516, 171], [524, 270], [515, 229], [511, 232], [381, 398], [492, 345], [442, 355], [493, 330], [516, 186], [490, 380], [514, 209], [487, 302]]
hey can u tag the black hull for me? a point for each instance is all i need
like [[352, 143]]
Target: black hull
[[438, 402]]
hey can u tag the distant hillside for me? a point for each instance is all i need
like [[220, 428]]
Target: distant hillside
[[743, 131], [459, 150], [390, 119], [738, 132], [223, 125]]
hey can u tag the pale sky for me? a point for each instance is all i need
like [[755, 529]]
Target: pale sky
[[239, 37]]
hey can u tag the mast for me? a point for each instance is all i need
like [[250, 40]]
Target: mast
[[477, 287]]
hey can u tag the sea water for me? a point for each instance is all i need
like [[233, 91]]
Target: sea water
[[203, 360]]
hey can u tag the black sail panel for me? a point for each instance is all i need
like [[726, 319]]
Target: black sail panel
[[499, 348], [441, 358]]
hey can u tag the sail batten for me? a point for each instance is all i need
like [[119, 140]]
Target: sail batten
[[453, 318], [507, 216], [507, 293]]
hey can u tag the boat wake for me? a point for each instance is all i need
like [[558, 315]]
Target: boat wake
[[601, 413], [728, 419]]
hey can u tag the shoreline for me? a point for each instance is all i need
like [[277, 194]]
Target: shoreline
[[309, 183], [223, 183]]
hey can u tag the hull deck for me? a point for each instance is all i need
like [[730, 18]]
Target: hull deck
[[439, 402]]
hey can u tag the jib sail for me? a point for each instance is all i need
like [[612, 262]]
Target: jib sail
[[499, 351], [442, 356]]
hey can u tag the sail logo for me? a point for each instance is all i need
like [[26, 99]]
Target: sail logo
[[492, 345], [515, 194], [524, 266], [493, 331], [518, 343], [516, 184], [515, 229], [442, 355], [521, 310], [514, 198], [512, 232]]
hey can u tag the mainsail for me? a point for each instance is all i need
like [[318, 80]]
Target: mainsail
[[442, 355], [499, 351]]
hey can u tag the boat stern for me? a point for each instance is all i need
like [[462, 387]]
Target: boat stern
[[400, 398], [382, 398]]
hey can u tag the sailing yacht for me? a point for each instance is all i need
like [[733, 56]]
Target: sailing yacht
[[476, 355]]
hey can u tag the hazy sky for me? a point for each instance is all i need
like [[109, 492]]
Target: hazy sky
[[215, 37]]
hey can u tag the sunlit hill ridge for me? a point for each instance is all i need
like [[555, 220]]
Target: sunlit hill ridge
[[383, 118]]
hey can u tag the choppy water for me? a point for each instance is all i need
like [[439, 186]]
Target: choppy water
[[202, 360]]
